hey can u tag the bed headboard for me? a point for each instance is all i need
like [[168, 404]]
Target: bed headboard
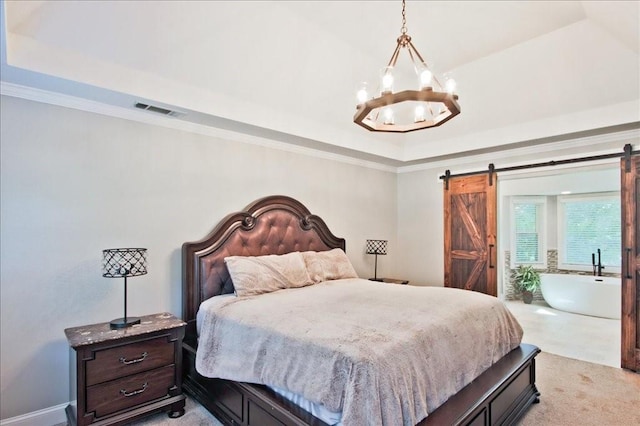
[[271, 225]]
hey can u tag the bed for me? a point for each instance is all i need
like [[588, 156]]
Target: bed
[[278, 225]]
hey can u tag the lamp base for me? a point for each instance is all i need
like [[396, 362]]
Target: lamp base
[[121, 323]]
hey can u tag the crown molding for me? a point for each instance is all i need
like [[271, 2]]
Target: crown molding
[[541, 152]]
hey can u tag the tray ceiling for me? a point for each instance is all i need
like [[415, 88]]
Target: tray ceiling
[[527, 71]]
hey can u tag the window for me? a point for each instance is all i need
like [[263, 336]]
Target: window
[[528, 243], [586, 224]]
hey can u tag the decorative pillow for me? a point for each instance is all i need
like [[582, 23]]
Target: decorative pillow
[[263, 274], [328, 265]]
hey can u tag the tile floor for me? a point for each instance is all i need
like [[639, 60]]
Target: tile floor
[[570, 335]]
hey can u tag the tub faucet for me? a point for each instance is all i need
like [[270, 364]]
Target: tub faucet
[[597, 267]]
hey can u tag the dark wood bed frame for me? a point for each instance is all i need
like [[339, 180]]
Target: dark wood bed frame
[[279, 225]]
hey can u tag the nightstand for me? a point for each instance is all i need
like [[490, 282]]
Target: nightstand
[[389, 280], [120, 375]]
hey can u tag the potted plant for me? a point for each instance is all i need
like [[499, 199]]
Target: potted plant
[[526, 280]]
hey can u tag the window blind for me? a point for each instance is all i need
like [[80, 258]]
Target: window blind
[[590, 225], [527, 239]]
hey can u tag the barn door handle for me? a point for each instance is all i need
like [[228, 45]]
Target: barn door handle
[[629, 276], [491, 265]]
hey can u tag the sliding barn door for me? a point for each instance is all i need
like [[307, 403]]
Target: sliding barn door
[[470, 233], [630, 193]]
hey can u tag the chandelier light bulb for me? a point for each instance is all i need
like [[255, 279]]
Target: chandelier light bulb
[[387, 114], [451, 85], [387, 80], [425, 78], [362, 95], [419, 114]]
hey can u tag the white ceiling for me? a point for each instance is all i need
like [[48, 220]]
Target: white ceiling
[[527, 71]]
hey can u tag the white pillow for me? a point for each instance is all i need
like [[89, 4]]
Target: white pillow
[[263, 274], [328, 265]]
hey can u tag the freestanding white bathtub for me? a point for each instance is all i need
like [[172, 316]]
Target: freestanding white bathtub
[[583, 294]]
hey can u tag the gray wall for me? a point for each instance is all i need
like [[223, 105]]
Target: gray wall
[[74, 183]]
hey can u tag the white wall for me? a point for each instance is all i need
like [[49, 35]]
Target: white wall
[[74, 183], [577, 180], [421, 227]]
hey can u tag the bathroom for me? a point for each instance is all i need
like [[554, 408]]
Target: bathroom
[[556, 220]]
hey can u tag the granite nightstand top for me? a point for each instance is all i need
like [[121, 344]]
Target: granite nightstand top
[[96, 333]]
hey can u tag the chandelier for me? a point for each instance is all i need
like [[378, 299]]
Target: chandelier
[[431, 105]]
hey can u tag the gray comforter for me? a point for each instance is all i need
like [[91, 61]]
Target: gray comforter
[[380, 353]]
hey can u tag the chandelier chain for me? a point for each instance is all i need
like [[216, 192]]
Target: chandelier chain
[[403, 30]]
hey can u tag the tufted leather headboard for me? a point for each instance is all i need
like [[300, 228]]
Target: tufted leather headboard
[[272, 225]]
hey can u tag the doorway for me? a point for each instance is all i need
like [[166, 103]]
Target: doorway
[[545, 192]]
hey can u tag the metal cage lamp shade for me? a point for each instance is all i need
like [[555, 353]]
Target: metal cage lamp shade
[[377, 247], [428, 104], [123, 263]]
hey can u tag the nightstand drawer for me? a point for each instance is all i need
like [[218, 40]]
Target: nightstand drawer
[[129, 359], [107, 398]]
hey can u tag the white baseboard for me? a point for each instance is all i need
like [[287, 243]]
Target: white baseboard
[[46, 417]]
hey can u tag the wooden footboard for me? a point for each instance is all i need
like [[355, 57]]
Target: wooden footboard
[[501, 395]]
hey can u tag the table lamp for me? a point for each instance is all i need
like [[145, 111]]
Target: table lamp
[[124, 262], [376, 247]]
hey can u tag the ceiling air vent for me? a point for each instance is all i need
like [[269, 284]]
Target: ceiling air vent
[[157, 109]]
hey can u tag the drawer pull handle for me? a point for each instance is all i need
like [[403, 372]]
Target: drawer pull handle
[[134, 361], [135, 392]]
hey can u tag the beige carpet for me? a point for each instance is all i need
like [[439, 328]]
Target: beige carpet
[[195, 415], [572, 393], [581, 393]]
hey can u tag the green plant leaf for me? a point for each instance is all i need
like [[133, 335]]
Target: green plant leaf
[[526, 278]]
